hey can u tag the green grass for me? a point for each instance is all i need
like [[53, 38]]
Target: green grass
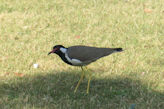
[[29, 29]]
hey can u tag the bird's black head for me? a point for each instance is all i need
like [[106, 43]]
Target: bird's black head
[[56, 49]]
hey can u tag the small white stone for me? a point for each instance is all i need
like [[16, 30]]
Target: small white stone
[[35, 65]]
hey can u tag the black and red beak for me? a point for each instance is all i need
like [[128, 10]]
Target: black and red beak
[[53, 51]]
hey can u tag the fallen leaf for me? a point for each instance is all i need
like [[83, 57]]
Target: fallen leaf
[[77, 37], [146, 10], [19, 74], [143, 73]]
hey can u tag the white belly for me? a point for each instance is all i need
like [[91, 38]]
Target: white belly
[[75, 62]]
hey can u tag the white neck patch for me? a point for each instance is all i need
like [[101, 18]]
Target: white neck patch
[[63, 50], [75, 62]]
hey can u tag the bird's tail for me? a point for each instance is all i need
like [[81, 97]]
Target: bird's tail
[[118, 49]]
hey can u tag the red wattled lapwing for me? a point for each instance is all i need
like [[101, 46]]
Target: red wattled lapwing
[[82, 56]]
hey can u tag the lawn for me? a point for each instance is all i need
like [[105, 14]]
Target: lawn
[[131, 79]]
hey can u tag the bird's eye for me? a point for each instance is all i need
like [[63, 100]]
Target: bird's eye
[[56, 49]]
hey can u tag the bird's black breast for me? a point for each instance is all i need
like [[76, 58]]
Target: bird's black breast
[[62, 56]]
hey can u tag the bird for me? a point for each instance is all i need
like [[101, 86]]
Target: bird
[[80, 55]]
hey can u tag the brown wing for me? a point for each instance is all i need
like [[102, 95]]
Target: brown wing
[[88, 54]]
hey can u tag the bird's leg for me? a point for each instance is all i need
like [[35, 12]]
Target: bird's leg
[[89, 79], [81, 78], [89, 82]]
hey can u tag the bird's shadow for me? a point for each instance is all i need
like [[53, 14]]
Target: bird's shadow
[[55, 90]]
